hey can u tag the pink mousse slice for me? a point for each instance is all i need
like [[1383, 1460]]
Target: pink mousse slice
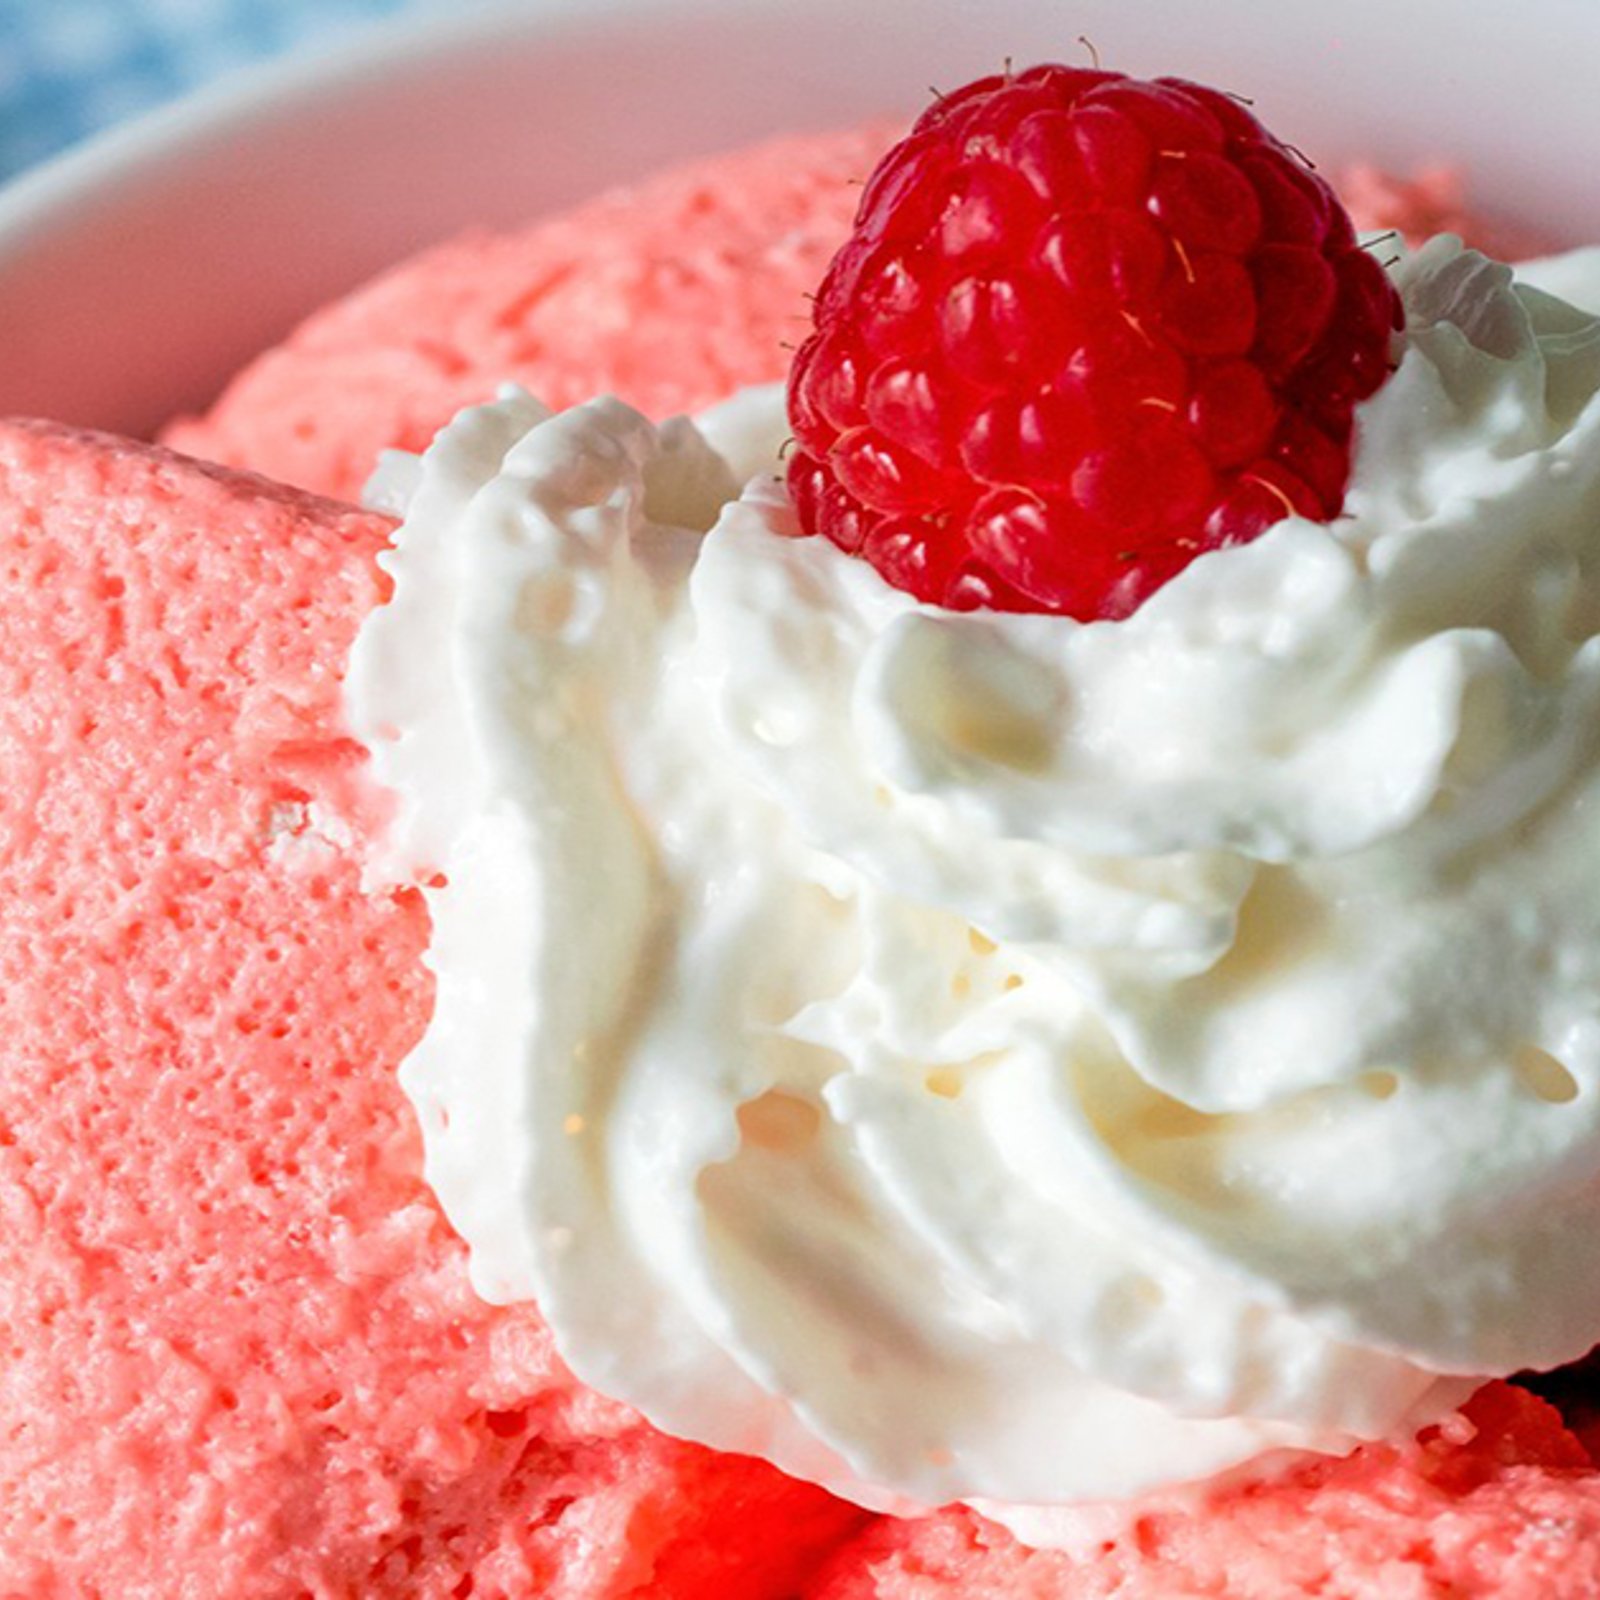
[[1501, 1503], [239, 1355], [671, 294]]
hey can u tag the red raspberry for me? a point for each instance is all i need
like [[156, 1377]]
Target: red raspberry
[[1086, 328]]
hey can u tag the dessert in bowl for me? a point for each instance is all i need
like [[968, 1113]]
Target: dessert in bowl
[[241, 1300]]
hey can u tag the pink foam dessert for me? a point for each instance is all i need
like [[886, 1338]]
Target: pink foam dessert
[[671, 294], [1507, 1505], [242, 1357], [242, 1354]]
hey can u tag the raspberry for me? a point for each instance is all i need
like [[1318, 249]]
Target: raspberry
[[1085, 329]]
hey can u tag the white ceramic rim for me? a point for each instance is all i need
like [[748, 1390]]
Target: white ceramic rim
[[124, 300]]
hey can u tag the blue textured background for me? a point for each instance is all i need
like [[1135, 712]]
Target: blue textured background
[[69, 68]]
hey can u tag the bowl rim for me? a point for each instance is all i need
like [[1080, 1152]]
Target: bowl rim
[[88, 237]]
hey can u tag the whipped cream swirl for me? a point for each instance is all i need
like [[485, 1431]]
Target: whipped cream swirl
[[995, 1056]]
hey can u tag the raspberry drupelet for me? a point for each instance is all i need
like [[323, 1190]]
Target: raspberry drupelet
[[1085, 329]]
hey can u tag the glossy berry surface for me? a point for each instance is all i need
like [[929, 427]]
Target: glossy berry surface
[[1086, 328]]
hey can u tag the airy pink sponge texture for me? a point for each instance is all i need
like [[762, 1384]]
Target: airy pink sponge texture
[[1499, 1503], [239, 1355], [672, 294]]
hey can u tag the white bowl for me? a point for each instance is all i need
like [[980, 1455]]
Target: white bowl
[[137, 274]]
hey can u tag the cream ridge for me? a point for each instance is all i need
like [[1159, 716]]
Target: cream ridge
[[983, 1056]]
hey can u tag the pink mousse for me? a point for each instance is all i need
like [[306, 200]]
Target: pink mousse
[[1500, 1504], [672, 294], [240, 1354]]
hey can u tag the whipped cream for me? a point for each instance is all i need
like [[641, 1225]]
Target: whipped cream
[[984, 1056]]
